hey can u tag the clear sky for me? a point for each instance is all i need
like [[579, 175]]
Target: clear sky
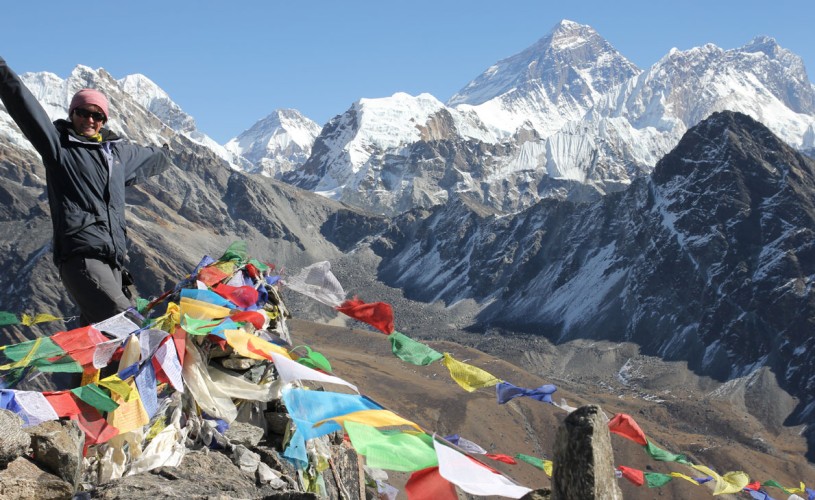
[[231, 63]]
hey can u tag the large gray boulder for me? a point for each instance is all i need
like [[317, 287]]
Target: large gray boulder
[[15, 440], [57, 446]]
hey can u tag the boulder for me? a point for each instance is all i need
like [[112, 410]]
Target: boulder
[[243, 433], [583, 458], [23, 479], [56, 446], [15, 440]]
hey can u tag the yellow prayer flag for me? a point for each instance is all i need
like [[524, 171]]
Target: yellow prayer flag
[[169, 319], [130, 415], [374, 418], [239, 341], [683, 476], [117, 386], [227, 266], [198, 309], [731, 482], [547, 467], [801, 489], [467, 376]]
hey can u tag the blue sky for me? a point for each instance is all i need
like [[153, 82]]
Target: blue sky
[[229, 64]]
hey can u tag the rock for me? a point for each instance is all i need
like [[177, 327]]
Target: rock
[[267, 475], [243, 433], [57, 447], [202, 475], [23, 479], [583, 458], [246, 459], [15, 440], [542, 494], [238, 364]]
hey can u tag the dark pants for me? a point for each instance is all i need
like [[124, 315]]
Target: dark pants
[[95, 286]]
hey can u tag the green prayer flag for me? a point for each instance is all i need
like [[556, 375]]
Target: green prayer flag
[[403, 451], [259, 265], [7, 318], [63, 364], [96, 397], [47, 349], [655, 479], [199, 326], [774, 484], [236, 252], [411, 351], [141, 304], [662, 455], [534, 461], [314, 359]]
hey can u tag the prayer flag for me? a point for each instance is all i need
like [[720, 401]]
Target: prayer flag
[[64, 403], [468, 377], [626, 427], [473, 477], [243, 296], [317, 281], [500, 457], [27, 320], [377, 314], [506, 391], [96, 397], [657, 480], [7, 318], [80, 343], [427, 484], [392, 450], [289, 371], [373, 418], [411, 351], [635, 476], [201, 310], [257, 318], [310, 407], [664, 456], [731, 482]]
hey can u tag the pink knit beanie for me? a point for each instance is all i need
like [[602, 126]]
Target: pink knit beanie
[[89, 96]]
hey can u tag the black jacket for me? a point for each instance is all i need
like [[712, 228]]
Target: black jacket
[[86, 179]]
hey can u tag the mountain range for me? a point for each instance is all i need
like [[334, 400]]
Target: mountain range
[[564, 194]]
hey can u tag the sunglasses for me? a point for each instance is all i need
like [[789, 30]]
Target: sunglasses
[[84, 113]]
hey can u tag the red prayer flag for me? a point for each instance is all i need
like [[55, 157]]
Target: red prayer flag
[[242, 296], [180, 340], [80, 343], [211, 275], [626, 427], [500, 457], [65, 404], [635, 476], [93, 424], [755, 486], [427, 484], [257, 319], [377, 314]]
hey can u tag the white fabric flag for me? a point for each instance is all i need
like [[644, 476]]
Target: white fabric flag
[[317, 281], [104, 351], [36, 408], [469, 446], [290, 371], [208, 396], [475, 479], [239, 388], [119, 326], [149, 341], [167, 357]]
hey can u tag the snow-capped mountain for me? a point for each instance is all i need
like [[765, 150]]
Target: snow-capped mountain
[[276, 144], [709, 260], [556, 80], [568, 118]]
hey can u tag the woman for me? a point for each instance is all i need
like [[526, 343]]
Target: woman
[[87, 168]]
